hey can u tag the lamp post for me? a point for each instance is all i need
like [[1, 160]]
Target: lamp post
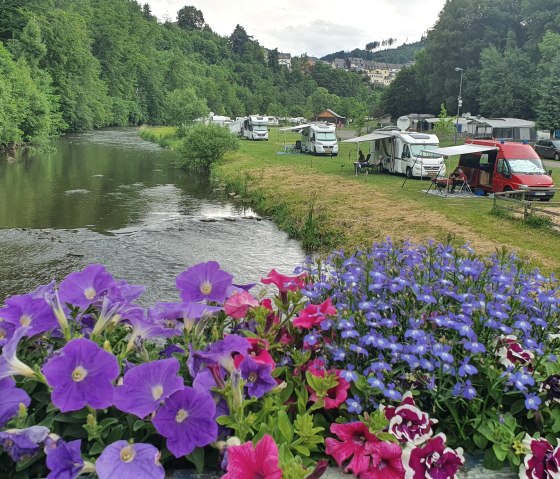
[[459, 102]]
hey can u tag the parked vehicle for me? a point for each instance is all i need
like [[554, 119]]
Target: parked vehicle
[[548, 149], [319, 139], [408, 153], [255, 128], [494, 166]]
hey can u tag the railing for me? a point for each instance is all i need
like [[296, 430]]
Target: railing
[[515, 203]]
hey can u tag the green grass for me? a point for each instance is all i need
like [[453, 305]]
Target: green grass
[[396, 208]]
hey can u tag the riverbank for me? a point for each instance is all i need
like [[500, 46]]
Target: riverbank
[[321, 201]]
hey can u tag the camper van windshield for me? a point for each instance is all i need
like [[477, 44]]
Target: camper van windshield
[[326, 136], [527, 166], [418, 150], [260, 128]]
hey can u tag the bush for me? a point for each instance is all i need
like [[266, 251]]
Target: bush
[[204, 145]]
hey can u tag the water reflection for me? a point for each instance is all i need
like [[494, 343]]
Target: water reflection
[[112, 198]]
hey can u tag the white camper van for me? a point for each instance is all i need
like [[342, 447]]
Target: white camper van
[[408, 153], [255, 128], [319, 139]]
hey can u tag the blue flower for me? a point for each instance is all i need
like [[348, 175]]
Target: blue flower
[[354, 405], [349, 374], [532, 402]]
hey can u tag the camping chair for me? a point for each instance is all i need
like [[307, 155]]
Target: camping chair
[[464, 186], [441, 185], [297, 147]]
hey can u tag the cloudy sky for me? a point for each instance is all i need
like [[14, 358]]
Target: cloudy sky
[[315, 27]]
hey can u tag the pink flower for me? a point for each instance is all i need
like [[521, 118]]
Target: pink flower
[[261, 461], [356, 442], [237, 305], [284, 283], [408, 423], [542, 462], [386, 462], [258, 352], [433, 460], [314, 314], [511, 353], [336, 395]]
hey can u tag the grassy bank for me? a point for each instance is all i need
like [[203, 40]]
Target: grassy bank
[[322, 202]]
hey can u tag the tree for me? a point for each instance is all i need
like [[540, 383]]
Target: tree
[[320, 100], [273, 56], [239, 39], [372, 46], [444, 126], [405, 94], [183, 107], [549, 102], [147, 11], [190, 17]]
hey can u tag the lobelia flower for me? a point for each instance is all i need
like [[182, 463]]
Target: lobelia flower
[[22, 443], [246, 461], [82, 374], [186, 420], [147, 385], [432, 460], [386, 462], [28, 311], [87, 287], [204, 281], [356, 443], [10, 399], [64, 459], [407, 422], [542, 461], [258, 377], [10, 365], [129, 461], [314, 314], [238, 304]]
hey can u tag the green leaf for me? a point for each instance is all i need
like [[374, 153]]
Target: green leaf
[[105, 423], [197, 458], [285, 426], [500, 451], [302, 450], [488, 433], [491, 462], [480, 441], [138, 425], [96, 449], [116, 434]]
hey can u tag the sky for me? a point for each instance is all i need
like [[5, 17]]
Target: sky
[[314, 27]]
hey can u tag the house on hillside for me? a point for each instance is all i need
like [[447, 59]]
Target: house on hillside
[[285, 59], [331, 117], [339, 63], [502, 128], [381, 73]]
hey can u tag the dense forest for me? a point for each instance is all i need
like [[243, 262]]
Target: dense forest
[[509, 51], [74, 65]]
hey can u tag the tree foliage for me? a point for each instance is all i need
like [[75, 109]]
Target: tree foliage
[[190, 17]]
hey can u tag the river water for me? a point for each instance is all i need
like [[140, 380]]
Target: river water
[[109, 197]]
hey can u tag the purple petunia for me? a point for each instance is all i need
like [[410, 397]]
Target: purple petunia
[[187, 421], [10, 365], [258, 377], [129, 461], [64, 459], [23, 443], [10, 399], [86, 287], [33, 313], [221, 352], [82, 374], [147, 385], [204, 281]]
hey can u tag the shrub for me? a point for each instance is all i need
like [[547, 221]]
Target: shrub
[[204, 145]]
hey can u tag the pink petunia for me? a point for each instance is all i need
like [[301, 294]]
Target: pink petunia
[[314, 314], [260, 461], [258, 352], [238, 304], [335, 395], [283, 282], [386, 461]]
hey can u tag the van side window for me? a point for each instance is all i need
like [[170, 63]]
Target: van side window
[[502, 167], [406, 152]]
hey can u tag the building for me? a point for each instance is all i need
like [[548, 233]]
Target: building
[[331, 117], [513, 129], [285, 59]]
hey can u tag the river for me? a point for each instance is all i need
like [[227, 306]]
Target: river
[[110, 197]]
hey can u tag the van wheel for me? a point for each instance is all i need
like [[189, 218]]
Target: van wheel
[[409, 172], [557, 156]]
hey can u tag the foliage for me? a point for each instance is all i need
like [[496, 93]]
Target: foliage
[[445, 124], [404, 53], [183, 108], [190, 17], [203, 145]]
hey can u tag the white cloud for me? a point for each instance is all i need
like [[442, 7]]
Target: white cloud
[[316, 27]]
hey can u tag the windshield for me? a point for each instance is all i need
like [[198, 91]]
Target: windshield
[[417, 150], [326, 136], [260, 128], [527, 166]]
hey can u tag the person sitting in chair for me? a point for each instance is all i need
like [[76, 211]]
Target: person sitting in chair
[[361, 157], [457, 177]]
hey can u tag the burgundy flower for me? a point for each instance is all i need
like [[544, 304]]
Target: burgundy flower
[[542, 461], [408, 423], [551, 386], [314, 314], [511, 353], [356, 444], [433, 460]]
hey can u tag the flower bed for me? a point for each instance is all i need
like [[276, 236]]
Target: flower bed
[[389, 362]]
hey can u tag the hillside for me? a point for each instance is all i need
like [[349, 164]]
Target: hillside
[[402, 54]]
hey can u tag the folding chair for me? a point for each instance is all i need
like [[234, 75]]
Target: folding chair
[[297, 146]]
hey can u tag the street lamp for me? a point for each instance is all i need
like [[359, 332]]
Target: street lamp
[[459, 102]]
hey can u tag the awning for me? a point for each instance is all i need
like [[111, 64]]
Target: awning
[[461, 150], [294, 128], [369, 137]]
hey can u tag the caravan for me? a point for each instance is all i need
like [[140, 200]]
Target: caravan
[[319, 139], [255, 128]]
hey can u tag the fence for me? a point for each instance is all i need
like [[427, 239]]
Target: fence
[[516, 204]]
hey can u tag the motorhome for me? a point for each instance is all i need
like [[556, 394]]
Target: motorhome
[[408, 153], [319, 139], [495, 166], [255, 128]]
